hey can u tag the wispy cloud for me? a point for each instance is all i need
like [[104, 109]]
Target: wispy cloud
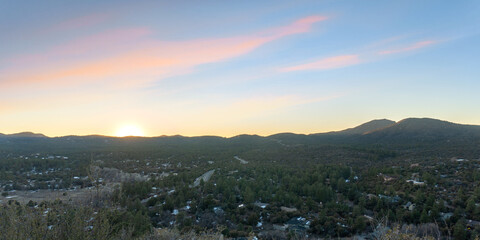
[[411, 47], [150, 60], [326, 63], [302, 25], [370, 55]]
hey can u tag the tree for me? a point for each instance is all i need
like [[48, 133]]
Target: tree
[[252, 219], [168, 204], [359, 224], [459, 232], [435, 212], [424, 218], [248, 195], [470, 205], [419, 197]]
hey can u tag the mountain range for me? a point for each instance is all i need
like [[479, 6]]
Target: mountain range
[[407, 133]]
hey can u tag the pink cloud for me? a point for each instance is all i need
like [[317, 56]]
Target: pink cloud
[[148, 61], [302, 25], [414, 46], [326, 63], [160, 59], [348, 60]]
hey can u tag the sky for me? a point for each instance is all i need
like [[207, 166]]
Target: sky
[[234, 67]]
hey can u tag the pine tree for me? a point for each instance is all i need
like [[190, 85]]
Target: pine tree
[[459, 232], [424, 218]]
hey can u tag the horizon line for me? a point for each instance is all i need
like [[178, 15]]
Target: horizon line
[[220, 136]]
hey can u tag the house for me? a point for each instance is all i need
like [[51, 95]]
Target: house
[[394, 199], [387, 178], [472, 224], [298, 225], [280, 227], [446, 216], [409, 206], [218, 210], [371, 196], [415, 182], [287, 209], [261, 205]]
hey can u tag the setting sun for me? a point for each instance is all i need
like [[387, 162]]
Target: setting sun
[[130, 130]]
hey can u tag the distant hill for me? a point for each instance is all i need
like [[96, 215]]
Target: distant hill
[[424, 131], [368, 127], [24, 135], [427, 127]]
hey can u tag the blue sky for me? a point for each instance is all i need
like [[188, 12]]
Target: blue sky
[[227, 68]]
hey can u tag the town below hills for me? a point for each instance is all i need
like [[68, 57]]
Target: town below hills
[[418, 178]]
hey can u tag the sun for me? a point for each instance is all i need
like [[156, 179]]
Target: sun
[[130, 131]]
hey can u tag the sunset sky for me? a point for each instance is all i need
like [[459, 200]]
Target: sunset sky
[[234, 67]]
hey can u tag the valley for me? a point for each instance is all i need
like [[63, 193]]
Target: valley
[[417, 177]]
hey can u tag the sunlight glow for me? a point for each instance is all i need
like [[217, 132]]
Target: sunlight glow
[[129, 131]]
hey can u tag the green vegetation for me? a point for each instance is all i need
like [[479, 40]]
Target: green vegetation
[[272, 188]]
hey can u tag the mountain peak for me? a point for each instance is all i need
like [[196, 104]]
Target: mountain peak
[[368, 127], [424, 122], [425, 130]]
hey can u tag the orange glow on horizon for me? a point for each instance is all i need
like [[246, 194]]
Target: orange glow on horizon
[[130, 131]]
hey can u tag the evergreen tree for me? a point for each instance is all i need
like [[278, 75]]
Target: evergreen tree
[[459, 232]]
